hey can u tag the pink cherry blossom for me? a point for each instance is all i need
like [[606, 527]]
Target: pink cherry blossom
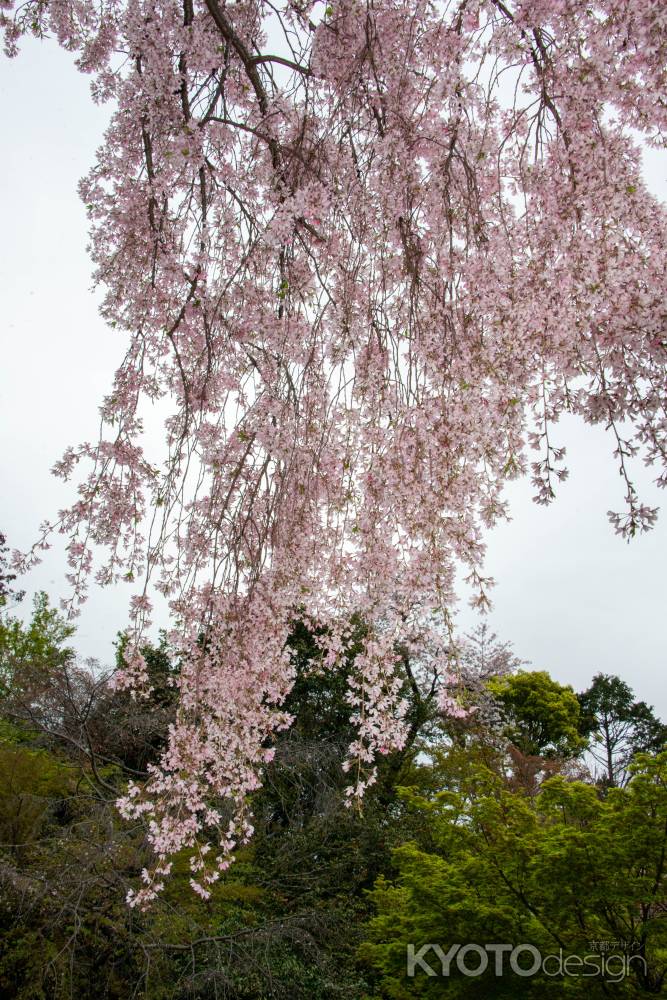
[[362, 258]]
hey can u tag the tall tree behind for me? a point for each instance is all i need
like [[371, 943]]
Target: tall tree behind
[[618, 727]]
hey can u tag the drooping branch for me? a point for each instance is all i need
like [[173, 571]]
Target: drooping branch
[[364, 259]]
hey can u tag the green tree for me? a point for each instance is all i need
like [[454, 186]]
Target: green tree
[[29, 650], [618, 727], [560, 871], [540, 716]]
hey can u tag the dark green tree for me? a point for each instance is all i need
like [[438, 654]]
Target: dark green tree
[[617, 727]]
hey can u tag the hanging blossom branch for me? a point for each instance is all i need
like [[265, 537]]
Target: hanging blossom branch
[[359, 253]]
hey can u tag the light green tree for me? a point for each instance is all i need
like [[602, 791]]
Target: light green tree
[[561, 871], [541, 716]]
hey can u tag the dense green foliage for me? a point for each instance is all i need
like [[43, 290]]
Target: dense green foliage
[[476, 831], [563, 871]]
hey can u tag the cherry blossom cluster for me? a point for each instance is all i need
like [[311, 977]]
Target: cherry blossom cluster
[[363, 256]]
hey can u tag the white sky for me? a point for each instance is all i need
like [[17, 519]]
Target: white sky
[[572, 597]]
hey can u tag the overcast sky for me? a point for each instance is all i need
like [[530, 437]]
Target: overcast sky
[[571, 596]]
